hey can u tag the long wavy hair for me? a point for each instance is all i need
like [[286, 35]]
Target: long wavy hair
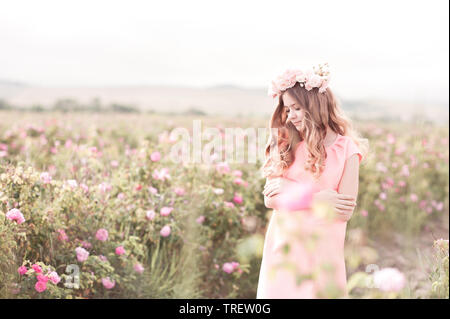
[[321, 110]]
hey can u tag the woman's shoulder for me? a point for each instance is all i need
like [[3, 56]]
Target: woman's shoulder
[[345, 146]]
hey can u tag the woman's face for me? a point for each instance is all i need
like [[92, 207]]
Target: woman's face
[[294, 112]]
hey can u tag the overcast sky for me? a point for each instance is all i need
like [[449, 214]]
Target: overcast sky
[[385, 49]]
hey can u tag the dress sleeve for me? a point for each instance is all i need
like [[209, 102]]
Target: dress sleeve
[[352, 148]]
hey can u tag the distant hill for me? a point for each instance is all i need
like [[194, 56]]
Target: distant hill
[[217, 100]]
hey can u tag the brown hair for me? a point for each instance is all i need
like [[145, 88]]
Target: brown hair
[[321, 110]]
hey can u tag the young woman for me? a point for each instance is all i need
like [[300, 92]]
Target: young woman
[[313, 143]]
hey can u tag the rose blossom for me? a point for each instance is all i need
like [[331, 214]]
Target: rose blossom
[[46, 178], [108, 283], [138, 268], [82, 254], [104, 187], [155, 156], [72, 183], [120, 250], [114, 163], [16, 215], [84, 187], [36, 268], [102, 234], [200, 219], [298, 197], [228, 268], [237, 199], [54, 278], [165, 231], [389, 279], [41, 277], [162, 174], [165, 211], [237, 173], [179, 191], [22, 270], [40, 286], [150, 215], [229, 204]]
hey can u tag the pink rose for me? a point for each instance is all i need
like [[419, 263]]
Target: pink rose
[[165, 231], [165, 211], [314, 81], [46, 178], [114, 163], [229, 204], [179, 191], [389, 280], [104, 187], [237, 199], [155, 156], [16, 215], [72, 183], [324, 85], [120, 250], [36, 268], [223, 168], [40, 286], [273, 90], [108, 283], [237, 173], [200, 219], [298, 197], [86, 244], [228, 268], [150, 215], [54, 277], [405, 170], [84, 187], [162, 174], [22, 270], [300, 76], [138, 268], [41, 277], [82, 254], [102, 234]]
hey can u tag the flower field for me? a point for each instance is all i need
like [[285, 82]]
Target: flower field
[[92, 206]]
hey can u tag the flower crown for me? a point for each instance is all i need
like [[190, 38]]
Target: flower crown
[[309, 79]]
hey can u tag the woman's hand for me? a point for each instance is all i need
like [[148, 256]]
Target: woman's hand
[[276, 186], [343, 205]]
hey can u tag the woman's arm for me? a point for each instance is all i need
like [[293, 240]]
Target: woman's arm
[[350, 178], [270, 202]]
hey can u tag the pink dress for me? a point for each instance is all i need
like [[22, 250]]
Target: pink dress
[[303, 254]]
